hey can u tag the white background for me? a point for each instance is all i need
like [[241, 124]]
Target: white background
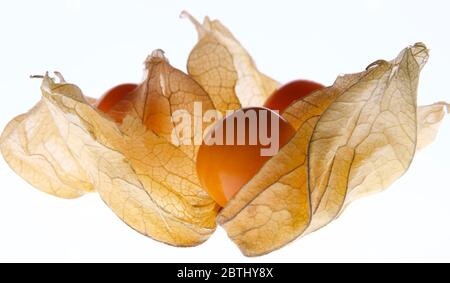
[[98, 44]]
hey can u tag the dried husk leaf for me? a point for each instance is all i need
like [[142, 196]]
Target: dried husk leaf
[[34, 148], [220, 64], [278, 196], [367, 138], [276, 201], [429, 119], [162, 98], [148, 182], [299, 190]]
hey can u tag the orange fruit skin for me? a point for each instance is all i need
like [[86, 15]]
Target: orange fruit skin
[[114, 96], [224, 169], [290, 92]]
